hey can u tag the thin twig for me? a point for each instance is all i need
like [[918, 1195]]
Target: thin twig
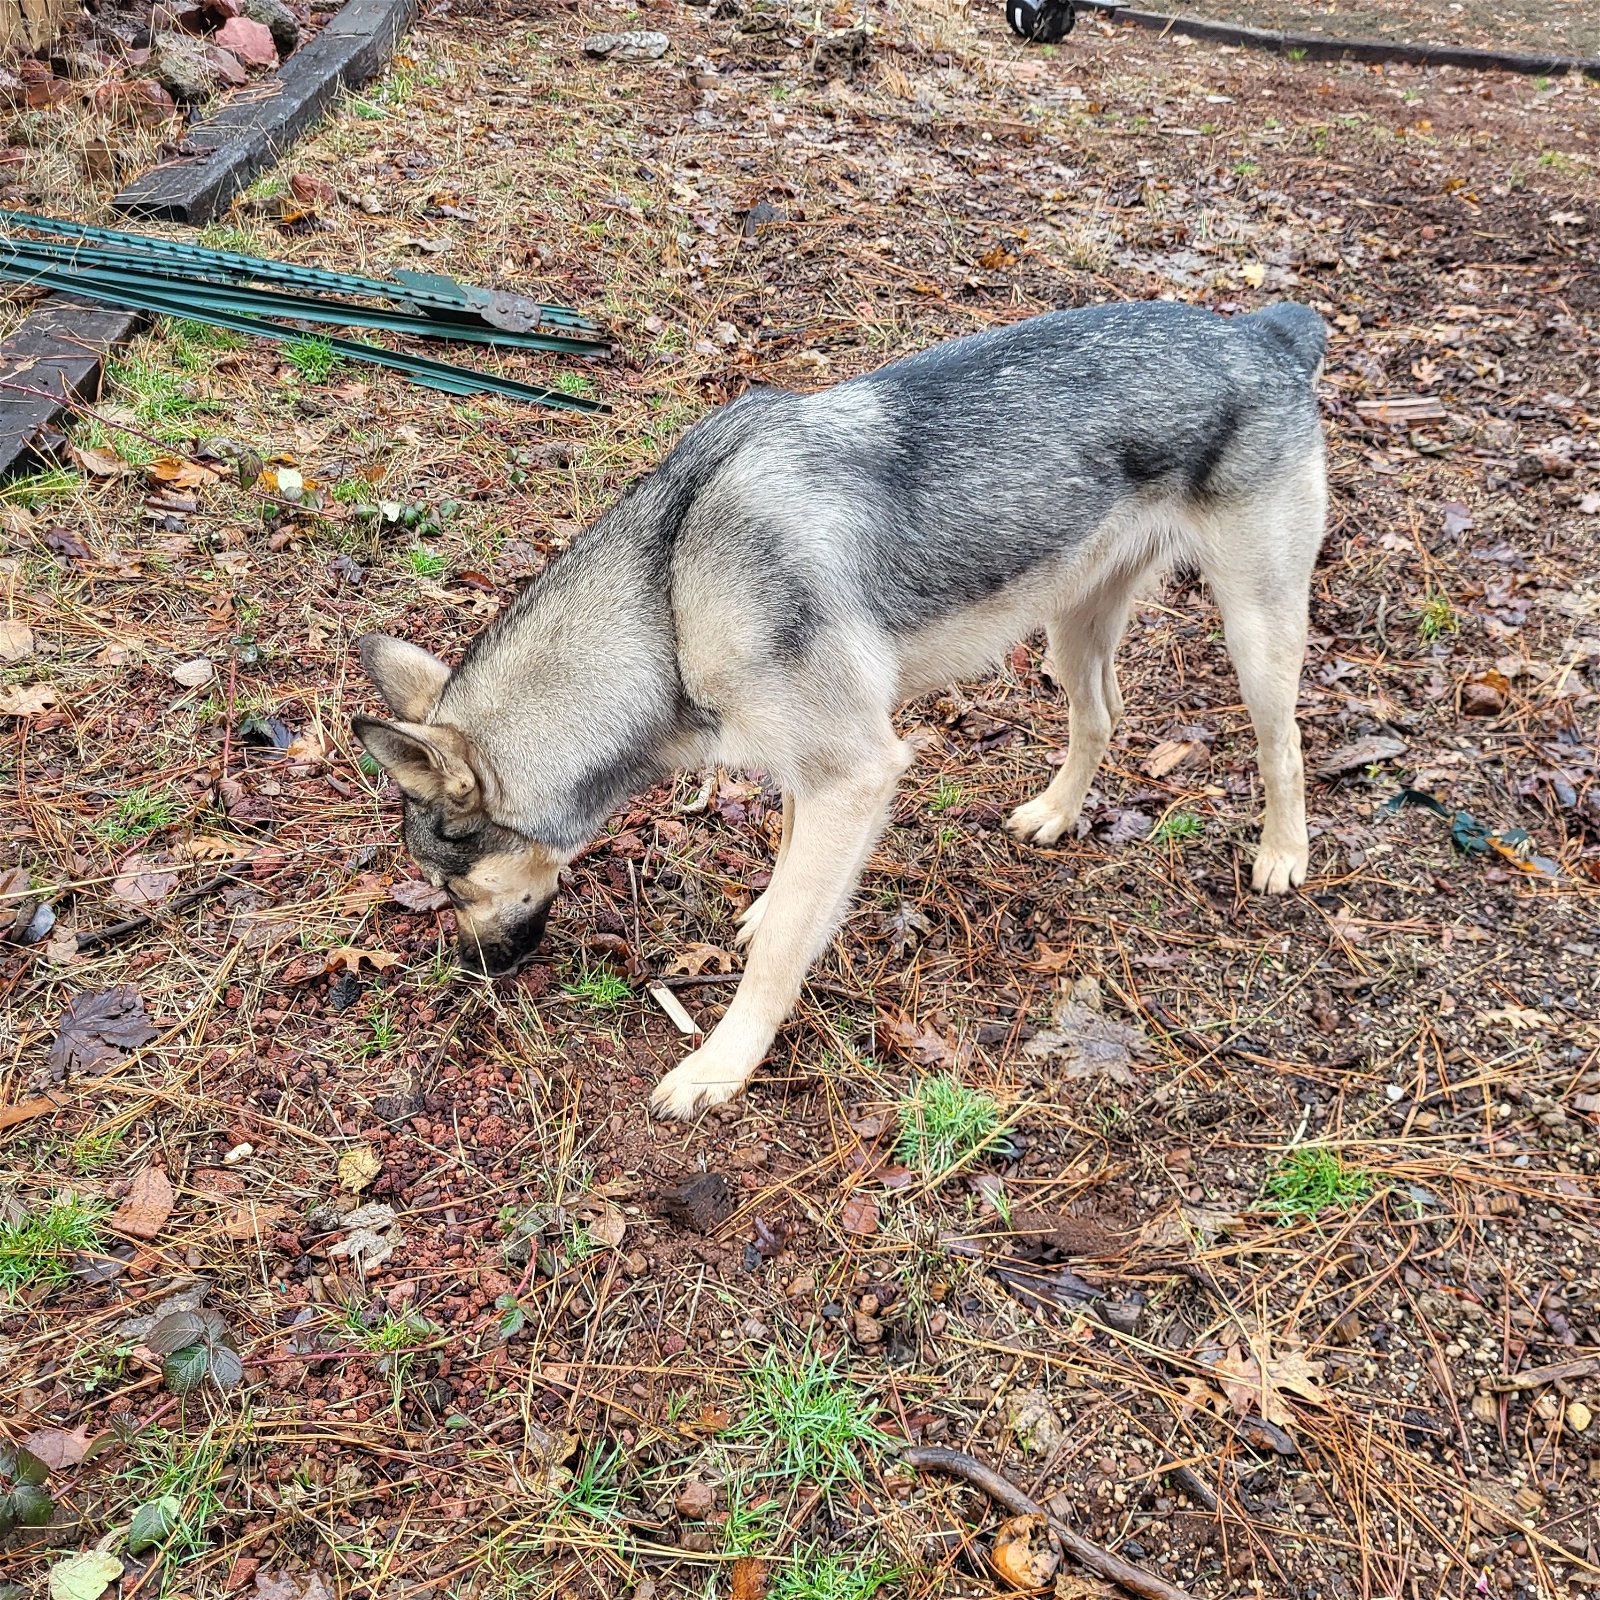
[[115, 930], [1003, 1492]]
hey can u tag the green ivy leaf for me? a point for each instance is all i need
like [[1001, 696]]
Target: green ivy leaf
[[184, 1370], [153, 1522]]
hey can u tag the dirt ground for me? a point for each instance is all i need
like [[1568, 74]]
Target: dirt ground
[[1565, 26], [1281, 1277]]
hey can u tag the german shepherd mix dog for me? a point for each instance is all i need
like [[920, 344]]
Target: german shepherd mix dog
[[801, 564]]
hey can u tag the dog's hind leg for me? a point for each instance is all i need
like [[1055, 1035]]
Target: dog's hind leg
[[1083, 641], [835, 825], [750, 918], [1264, 592]]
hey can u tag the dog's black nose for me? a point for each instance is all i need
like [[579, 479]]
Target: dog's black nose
[[511, 945]]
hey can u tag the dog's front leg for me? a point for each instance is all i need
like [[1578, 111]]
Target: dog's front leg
[[833, 830]]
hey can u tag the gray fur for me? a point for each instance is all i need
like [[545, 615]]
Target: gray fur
[[801, 564]]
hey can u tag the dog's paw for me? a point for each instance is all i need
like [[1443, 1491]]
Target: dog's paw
[[749, 919], [698, 1085], [1280, 868], [1039, 821]]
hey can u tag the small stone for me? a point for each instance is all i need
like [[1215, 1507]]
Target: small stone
[[868, 1330], [1579, 1416], [1033, 1420], [250, 41], [238, 1154], [1485, 1409], [635, 1264], [638, 45], [227, 65], [180, 65], [696, 1500], [279, 20]]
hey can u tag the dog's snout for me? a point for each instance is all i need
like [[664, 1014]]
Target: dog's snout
[[500, 951]]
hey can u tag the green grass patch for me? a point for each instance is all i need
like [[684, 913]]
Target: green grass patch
[[811, 1420], [424, 563], [595, 1489], [1177, 827], [163, 1464], [948, 797], [37, 1248], [137, 814], [599, 987], [943, 1122], [395, 1339], [35, 489], [312, 358], [831, 1577], [1313, 1179]]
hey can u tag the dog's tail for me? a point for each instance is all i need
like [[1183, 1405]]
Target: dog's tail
[[1297, 329]]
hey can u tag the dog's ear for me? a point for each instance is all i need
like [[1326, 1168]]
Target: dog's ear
[[428, 762], [407, 677]]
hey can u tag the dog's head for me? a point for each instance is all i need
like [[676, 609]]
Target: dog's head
[[500, 882]]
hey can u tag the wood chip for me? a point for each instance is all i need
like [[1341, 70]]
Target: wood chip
[[673, 1006], [1402, 408]]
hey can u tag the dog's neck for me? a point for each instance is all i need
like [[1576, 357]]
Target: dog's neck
[[572, 697]]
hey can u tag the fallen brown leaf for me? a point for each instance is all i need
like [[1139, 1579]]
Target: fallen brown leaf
[[16, 640], [749, 1581], [1171, 754], [697, 958], [250, 1220], [358, 1166], [57, 1448], [144, 1212], [173, 472], [25, 1111], [28, 700], [348, 958], [859, 1215]]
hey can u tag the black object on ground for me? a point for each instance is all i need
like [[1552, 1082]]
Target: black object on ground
[[53, 360]]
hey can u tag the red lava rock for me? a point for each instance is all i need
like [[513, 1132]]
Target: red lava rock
[[250, 41], [227, 66], [241, 1572], [696, 1500]]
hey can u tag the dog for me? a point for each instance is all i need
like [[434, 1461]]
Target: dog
[[800, 565]]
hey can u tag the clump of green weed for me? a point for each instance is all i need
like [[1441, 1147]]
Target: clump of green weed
[[600, 987], [37, 1247], [179, 1479], [943, 1122], [1177, 827], [809, 1418], [312, 358], [137, 814], [1312, 1179], [396, 1339], [831, 1577], [1437, 619]]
